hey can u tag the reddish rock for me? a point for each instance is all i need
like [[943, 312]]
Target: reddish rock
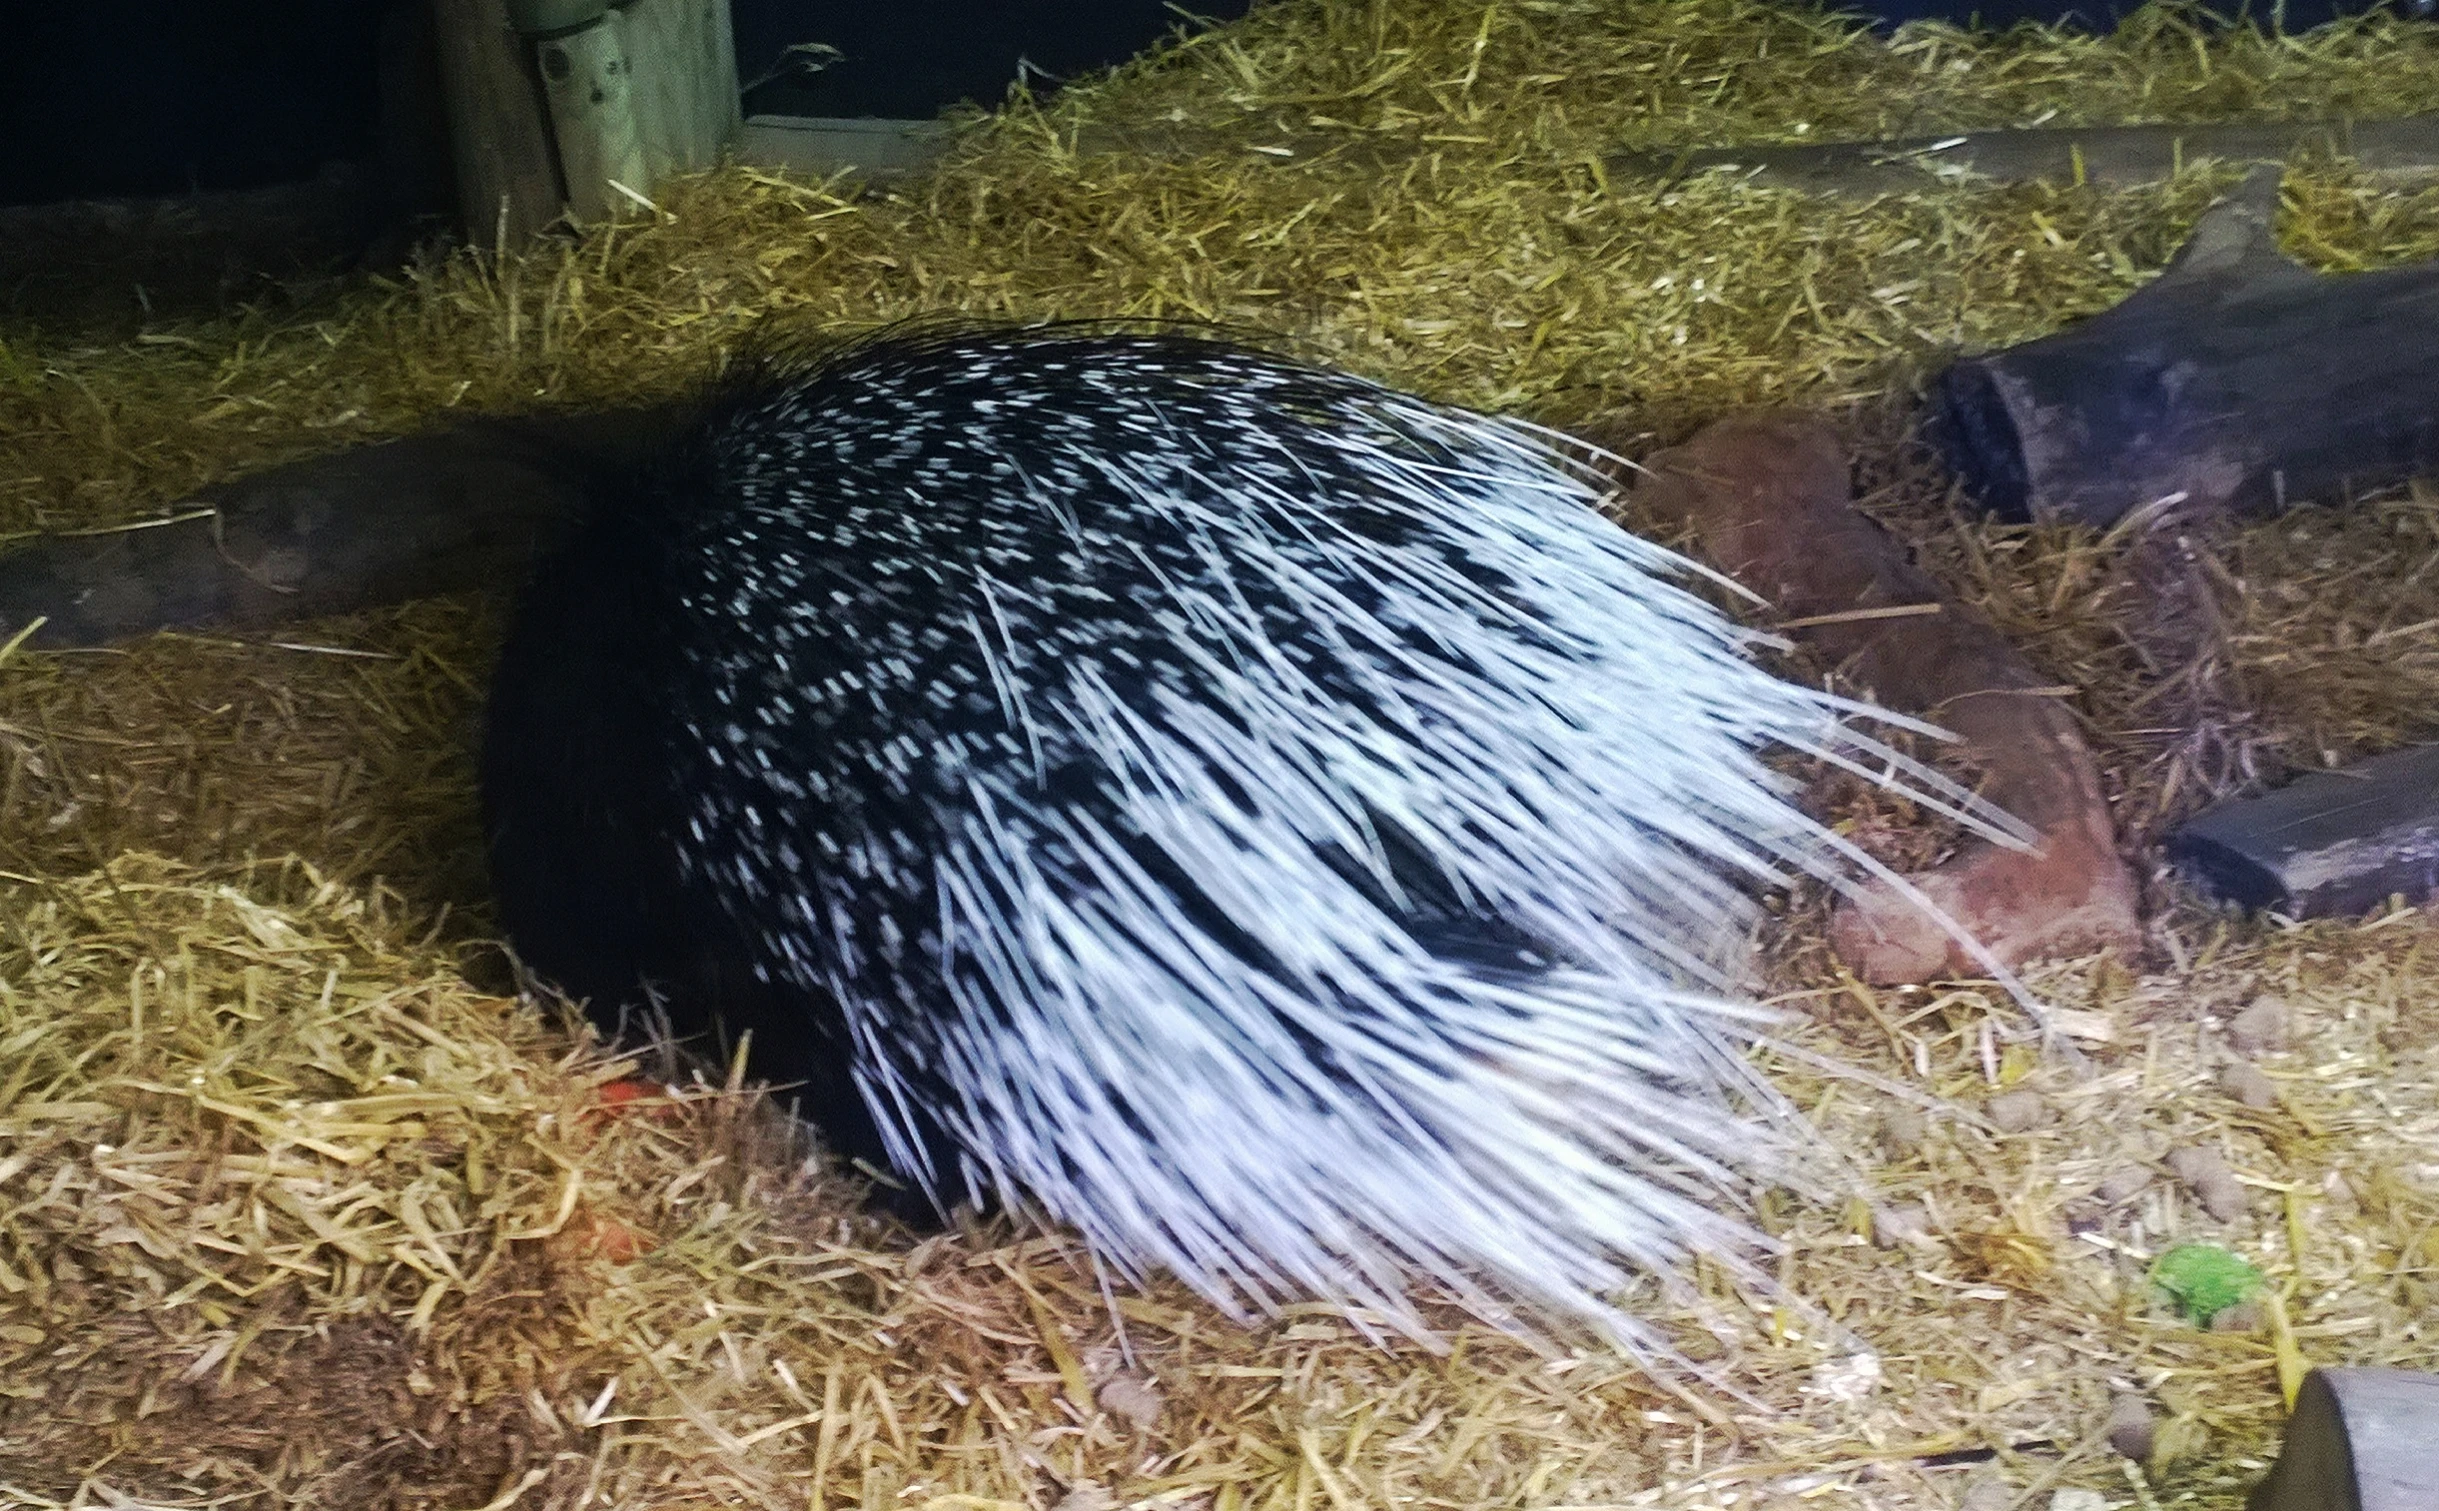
[[1767, 497]]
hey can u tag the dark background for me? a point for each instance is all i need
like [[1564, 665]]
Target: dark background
[[109, 98]]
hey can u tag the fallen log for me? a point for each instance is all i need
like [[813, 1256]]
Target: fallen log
[[2238, 379], [1766, 497], [450, 511]]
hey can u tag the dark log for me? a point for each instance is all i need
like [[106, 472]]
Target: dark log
[[456, 510], [2113, 155], [2331, 844], [2359, 1440], [2238, 379]]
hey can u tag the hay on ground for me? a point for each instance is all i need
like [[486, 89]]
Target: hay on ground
[[297, 1210]]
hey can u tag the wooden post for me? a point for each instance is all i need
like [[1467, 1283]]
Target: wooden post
[[552, 102], [507, 178], [687, 108]]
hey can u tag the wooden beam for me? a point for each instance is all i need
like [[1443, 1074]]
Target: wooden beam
[[2117, 156], [2405, 148], [818, 146]]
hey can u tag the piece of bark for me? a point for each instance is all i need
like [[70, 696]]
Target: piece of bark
[[2359, 1440], [2330, 844], [450, 511], [2236, 379], [1767, 498]]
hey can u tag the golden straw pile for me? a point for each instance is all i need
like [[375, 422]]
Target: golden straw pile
[[297, 1209]]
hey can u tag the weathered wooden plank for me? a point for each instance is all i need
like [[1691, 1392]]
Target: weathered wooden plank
[[818, 146], [2329, 844], [2405, 147], [2359, 1440]]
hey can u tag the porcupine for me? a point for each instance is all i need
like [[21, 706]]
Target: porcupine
[[1269, 823]]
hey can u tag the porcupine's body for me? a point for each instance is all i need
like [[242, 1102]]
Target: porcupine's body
[[1272, 824]]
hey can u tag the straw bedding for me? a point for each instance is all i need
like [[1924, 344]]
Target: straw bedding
[[298, 1208]]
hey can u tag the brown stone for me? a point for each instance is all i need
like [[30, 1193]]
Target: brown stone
[[1766, 496]]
